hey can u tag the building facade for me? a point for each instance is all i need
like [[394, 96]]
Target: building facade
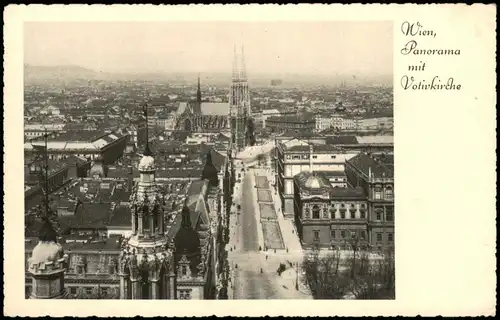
[[328, 216], [375, 174], [296, 156], [290, 123]]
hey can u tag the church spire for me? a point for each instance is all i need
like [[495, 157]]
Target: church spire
[[243, 71], [198, 93], [235, 65]]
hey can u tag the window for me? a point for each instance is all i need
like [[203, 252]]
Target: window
[[390, 237], [379, 215], [315, 157], [342, 215], [332, 234], [389, 213], [342, 234], [88, 290], [362, 205], [315, 212], [363, 214], [342, 205], [388, 192], [352, 205], [379, 237], [377, 193], [333, 157], [72, 290], [362, 234], [316, 235], [185, 294], [184, 270], [353, 234], [104, 291]]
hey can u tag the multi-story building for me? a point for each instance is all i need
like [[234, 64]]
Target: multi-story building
[[82, 144], [376, 123], [375, 174], [295, 123], [33, 131], [327, 216], [266, 113], [323, 123], [343, 123], [295, 156]]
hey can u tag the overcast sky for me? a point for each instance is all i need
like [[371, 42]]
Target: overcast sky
[[270, 47]]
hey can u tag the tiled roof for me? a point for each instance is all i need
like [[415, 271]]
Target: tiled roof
[[218, 160], [329, 174], [380, 166], [347, 193], [186, 172], [376, 139], [121, 216], [341, 140], [215, 108], [316, 148]]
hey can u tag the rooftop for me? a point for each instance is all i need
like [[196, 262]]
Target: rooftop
[[290, 119], [215, 108], [376, 139], [341, 140], [379, 166]]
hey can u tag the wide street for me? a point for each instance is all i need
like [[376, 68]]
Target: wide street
[[254, 272]]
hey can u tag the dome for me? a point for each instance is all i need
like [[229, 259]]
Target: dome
[[147, 163], [313, 182], [46, 251]]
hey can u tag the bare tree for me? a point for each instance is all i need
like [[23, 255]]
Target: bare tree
[[324, 276], [372, 279]]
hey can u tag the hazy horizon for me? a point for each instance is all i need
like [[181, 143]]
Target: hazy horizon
[[308, 48]]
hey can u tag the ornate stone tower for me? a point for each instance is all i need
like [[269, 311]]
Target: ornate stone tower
[[48, 262], [146, 266], [239, 102], [47, 266]]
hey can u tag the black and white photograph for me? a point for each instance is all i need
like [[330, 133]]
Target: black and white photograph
[[209, 160]]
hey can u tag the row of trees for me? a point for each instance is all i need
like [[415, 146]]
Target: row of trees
[[357, 276]]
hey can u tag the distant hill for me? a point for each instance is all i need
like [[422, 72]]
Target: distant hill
[[64, 73]]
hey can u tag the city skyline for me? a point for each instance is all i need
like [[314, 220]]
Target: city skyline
[[144, 47]]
